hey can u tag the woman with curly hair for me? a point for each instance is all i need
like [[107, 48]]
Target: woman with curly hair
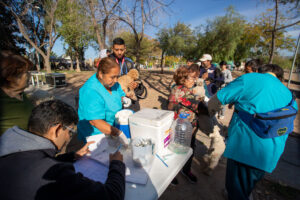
[[182, 99]]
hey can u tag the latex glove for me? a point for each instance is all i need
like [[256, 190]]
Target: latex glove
[[206, 99], [126, 102], [123, 139]]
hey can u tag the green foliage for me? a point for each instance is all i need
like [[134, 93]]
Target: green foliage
[[163, 37], [75, 27], [221, 36], [149, 47], [284, 62], [177, 41], [248, 41], [10, 39], [52, 53], [264, 23]]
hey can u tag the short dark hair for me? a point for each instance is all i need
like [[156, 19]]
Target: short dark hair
[[276, 69], [194, 68], [50, 113], [106, 64], [223, 63], [12, 66], [254, 64], [118, 41]]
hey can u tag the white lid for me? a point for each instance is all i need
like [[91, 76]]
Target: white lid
[[152, 117], [122, 116]]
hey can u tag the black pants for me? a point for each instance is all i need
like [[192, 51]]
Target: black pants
[[188, 165]]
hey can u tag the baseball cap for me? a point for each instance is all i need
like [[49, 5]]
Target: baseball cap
[[205, 57]]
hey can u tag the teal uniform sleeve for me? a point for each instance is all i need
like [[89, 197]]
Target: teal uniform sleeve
[[120, 91], [232, 92], [94, 105]]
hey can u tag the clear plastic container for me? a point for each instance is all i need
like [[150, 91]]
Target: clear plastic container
[[142, 151], [181, 134]]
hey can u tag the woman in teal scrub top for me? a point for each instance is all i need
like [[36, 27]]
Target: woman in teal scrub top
[[100, 98]]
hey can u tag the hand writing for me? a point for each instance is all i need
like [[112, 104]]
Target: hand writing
[[116, 156], [84, 150]]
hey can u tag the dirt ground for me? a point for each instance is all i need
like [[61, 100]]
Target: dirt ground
[[207, 187]]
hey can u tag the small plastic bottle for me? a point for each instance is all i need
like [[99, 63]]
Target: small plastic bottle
[[181, 134]]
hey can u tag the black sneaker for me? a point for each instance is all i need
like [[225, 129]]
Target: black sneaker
[[174, 182], [191, 177]]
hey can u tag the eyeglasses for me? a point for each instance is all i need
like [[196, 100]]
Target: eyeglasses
[[72, 131], [190, 78]]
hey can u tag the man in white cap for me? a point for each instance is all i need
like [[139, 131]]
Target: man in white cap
[[207, 66]]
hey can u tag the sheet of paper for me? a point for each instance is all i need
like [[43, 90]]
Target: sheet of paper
[[91, 169], [100, 151]]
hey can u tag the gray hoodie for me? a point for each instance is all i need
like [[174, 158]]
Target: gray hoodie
[[227, 76], [17, 140]]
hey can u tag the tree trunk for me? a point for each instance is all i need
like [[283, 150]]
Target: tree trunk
[[162, 61], [95, 25], [47, 65], [274, 33], [137, 48], [38, 67], [104, 25], [77, 64], [272, 48], [71, 67]]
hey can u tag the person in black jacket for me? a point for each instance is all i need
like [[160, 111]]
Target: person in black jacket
[[30, 169], [126, 64]]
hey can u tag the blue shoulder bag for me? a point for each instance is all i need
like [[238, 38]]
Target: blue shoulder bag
[[271, 124]]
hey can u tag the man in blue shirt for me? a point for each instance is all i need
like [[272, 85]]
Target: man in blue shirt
[[250, 156], [207, 66]]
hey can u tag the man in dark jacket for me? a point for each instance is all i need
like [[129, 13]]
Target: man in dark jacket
[[118, 54], [30, 169], [126, 64]]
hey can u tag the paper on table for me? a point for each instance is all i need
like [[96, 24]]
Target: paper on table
[[100, 151], [91, 169]]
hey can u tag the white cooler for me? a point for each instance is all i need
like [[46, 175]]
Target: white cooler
[[154, 124]]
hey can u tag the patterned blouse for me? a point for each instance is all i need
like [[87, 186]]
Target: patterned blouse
[[180, 94]]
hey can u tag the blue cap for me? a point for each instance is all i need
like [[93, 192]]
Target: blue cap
[[184, 115]]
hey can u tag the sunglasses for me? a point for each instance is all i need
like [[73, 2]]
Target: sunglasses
[[72, 131]]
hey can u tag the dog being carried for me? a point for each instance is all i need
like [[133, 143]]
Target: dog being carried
[[126, 80]]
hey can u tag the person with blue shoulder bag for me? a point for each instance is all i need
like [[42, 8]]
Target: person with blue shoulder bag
[[257, 134]]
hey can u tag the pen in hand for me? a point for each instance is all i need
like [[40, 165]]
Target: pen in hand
[[120, 146]]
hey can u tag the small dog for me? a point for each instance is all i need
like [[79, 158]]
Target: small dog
[[199, 90], [215, 151], [125, 81]]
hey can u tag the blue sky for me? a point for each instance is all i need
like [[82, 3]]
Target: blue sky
[[194, 13]]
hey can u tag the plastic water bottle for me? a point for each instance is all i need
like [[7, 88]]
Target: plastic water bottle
[[181, 134]]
